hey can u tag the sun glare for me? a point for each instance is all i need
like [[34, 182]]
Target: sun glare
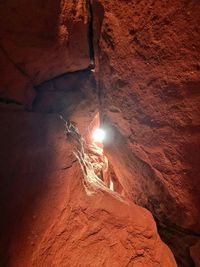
[[98, 135]]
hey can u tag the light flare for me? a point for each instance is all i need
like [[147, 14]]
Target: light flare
[[98, 135]]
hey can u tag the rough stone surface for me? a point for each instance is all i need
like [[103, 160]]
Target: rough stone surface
[[51, 217], [39, 41], [194, 251], [147, 65], [149, 77]]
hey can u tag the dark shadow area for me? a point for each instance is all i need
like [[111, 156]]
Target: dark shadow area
[[22, 134], [90, 33], [33, 149], [179, 242], [30, 20]]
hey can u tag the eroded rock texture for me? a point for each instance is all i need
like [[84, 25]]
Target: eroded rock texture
[[40, 40], [54, 214], [55, 211], [149, 81]]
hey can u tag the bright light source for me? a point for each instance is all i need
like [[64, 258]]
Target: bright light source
[[98, 135]]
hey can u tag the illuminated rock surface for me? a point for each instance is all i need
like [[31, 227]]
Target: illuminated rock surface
[[53, 214], [149, 77]]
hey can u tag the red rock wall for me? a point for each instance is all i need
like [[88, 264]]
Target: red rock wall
[[51, 213], [147, 62], [149, 81], [40, 40]]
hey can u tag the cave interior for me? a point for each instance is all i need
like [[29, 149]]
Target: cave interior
[[100, 133]]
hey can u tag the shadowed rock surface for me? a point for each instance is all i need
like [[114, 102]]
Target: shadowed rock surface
[[39, 41]]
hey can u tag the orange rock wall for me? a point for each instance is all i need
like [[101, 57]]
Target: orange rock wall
[[149, 80], [52, 215]]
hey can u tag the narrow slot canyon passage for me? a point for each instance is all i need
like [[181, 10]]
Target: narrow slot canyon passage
[[99, 133]]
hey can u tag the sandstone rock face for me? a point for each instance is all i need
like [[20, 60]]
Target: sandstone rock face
[[194, 251], [39, 41], [149, 85], [53, 215], [100, 230]]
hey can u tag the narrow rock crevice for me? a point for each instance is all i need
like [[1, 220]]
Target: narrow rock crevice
[[73, 186], [90, 34], [5, 100]]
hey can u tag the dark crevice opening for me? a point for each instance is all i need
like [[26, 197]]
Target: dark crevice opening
[[6, 100], [90, 34]]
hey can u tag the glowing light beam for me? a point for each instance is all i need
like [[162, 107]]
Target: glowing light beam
[[98, 135]]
